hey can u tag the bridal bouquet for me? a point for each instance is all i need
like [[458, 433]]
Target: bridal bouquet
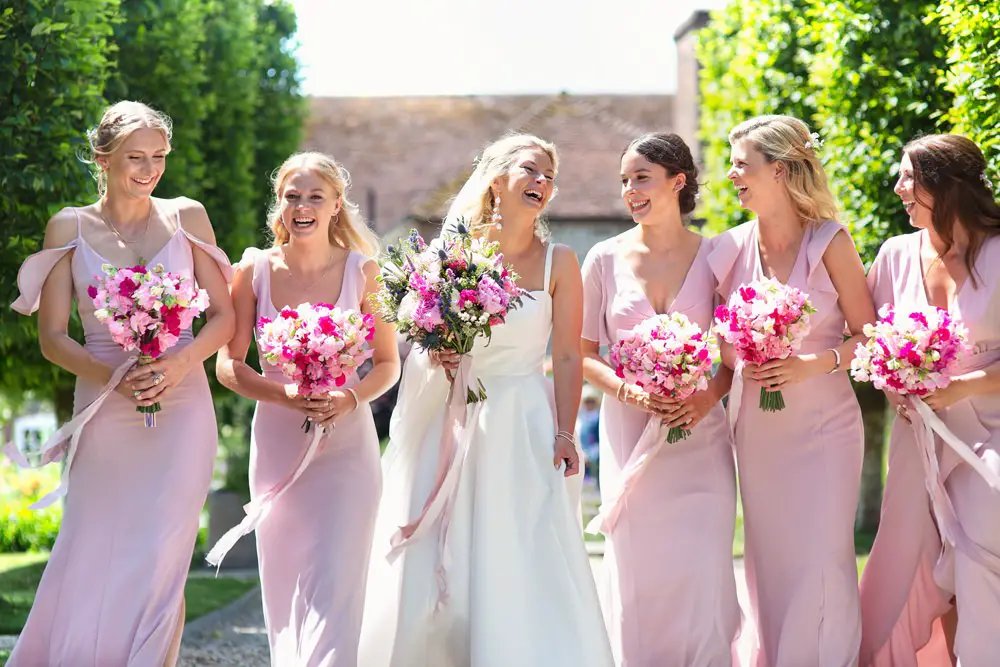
[[445, 294], [145, 310], [911, 354], [765, 320], [317, 347], [666, 355]]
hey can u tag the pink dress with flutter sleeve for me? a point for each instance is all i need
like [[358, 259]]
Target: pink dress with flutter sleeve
[[113, 590]]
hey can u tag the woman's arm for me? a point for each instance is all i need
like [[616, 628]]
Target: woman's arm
[[385, 371], [54, 311], [848, 276], [174, 365], [567, 361]]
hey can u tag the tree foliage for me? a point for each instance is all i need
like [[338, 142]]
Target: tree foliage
[[55, 58]]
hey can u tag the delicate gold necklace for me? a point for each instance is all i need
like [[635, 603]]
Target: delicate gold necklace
[[307, 286], [127, 242]]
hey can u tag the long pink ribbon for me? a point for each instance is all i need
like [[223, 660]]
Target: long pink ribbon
[[459, 425], [652, 439], [925, 425], [258, 508], [735, 396], [52, 451]]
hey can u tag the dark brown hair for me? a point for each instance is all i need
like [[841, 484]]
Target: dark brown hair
[[952, 170], [670, 152]]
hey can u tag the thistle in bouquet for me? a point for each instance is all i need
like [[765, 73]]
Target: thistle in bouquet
[[317, 347], [145, 310], [910, 353], [666, 355], [765, 320], [445, 294]]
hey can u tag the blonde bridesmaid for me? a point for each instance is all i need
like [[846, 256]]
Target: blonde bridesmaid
[[671, 547], [113, 589], [799, 468], [314, 544], [915, 573]]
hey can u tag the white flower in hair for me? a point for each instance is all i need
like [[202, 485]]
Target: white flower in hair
[[986, 180], [814, 141]]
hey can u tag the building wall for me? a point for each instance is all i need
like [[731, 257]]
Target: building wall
[[582, 235], [686, 99]]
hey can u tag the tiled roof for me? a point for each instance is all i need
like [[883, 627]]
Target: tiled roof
[[409, 155]]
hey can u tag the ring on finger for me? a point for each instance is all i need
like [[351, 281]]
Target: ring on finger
[[136, 393], [158, 378]]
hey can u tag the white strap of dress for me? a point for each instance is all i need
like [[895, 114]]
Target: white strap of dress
[[548, 267]]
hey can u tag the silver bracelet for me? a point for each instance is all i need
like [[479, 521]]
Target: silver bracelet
[[836, 366], [566, 435], [357, 401]]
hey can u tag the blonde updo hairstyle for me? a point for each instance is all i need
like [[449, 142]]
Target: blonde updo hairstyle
[[347, 229], [118, 122], [787, 140], [475, 202]]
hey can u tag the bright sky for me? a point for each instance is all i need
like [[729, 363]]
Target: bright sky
[[441, 47]]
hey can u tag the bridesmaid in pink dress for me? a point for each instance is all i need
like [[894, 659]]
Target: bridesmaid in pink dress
[[314, 543], [671, 598], [113, 590], [914, 574], [799, 468]]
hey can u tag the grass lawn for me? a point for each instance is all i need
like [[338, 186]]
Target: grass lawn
[[20, 574]]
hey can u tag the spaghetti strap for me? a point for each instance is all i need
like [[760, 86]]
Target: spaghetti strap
[[548, 266], [79, 224]]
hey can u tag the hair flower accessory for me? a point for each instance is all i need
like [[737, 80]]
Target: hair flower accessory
[[986, 180], [814, 142]]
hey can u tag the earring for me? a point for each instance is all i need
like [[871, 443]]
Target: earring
[[496, 218]]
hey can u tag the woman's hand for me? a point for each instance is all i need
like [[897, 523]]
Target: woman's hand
[[899, 405], [565, 452], [688, 413], [447, 359], [654, 404], [149, 383], [779, 373], [940, 399]]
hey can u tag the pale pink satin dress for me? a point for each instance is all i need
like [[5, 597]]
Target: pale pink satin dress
[[314, 545], [670, 590], [912, 573], [799, 472], [113, 591]]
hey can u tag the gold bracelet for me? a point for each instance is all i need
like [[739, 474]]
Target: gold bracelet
[[618, 394]]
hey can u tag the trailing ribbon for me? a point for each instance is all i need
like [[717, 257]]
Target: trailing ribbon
[[648, 445], [735, 397], [925, 425], [456, 436], [258, 508], [53, 451]]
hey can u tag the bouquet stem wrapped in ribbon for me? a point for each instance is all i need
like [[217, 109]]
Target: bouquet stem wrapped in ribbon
[[145, 310], [764, 320], [667, 355], [318, 348]]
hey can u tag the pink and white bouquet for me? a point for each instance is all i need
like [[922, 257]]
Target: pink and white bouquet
[[910, 354], [765, 320], [145, 310], [446, 294], [666, 355], [317, 347]]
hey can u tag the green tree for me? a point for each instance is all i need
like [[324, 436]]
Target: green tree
[[973, 74], [754, 59], [281, 110], [229, 131], [160, 63], [55, 57]]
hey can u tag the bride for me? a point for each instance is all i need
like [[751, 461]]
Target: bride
[[502, 578]]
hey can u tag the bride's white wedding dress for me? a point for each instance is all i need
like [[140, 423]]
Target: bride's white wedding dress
[[519, 589]]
